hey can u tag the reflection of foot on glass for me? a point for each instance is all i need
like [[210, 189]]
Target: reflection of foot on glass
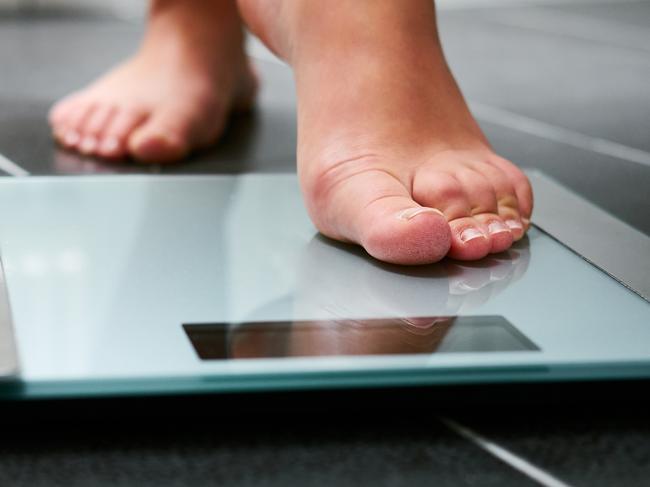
[[350, 284], [389, 156], [361, 307], [172, 96], [472, 284], [327, 338]]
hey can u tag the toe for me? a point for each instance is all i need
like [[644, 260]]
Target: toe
[[506, 195], [60, 113], [469, 239], [167, 136], [113, 141], [73, 128], [92, 132], [371, 207], [500, 233], [397, 230], [438, 189], [521, 187]]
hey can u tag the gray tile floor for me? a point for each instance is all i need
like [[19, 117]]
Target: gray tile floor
[[577, 73]]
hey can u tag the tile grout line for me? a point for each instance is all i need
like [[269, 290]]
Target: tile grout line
[[531, 126], [11, 167], [506, 456]]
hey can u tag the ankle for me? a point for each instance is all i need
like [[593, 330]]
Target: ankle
[[378, 64], [162, 7], [360, 28], [190, 30], [195, 19]]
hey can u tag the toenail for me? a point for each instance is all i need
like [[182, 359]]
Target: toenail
[[525, 221], [471, 234], [110, 145], [514, 225], [413, 212], [88, 145], [71, 138], [497, 227]]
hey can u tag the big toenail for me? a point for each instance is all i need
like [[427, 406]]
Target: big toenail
[[71, 138], [471, 234], [413, 212], [497, 227], [514, 225], [88, 145]]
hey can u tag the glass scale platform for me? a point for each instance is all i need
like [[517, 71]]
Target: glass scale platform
[[133, 285]]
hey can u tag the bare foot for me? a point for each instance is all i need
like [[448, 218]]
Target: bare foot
[[173, 96], [389, 156]]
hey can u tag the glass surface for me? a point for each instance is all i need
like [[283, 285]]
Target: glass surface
[[103, 271]]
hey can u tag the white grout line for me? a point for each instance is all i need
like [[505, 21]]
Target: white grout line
[[548, 131], [12, 168], [516, 462]]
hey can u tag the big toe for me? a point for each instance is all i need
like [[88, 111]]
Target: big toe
[[402, 232], [152, 145], [159, 140], [171, 133], [375, 210]]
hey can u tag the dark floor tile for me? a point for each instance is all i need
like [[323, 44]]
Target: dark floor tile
[[631, 13], [578, 84], [45, 59], [220, 450]]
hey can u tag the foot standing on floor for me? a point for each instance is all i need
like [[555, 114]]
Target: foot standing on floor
[[173, 96]]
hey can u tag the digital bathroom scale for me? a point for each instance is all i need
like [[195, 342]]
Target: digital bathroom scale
[[124, 285]]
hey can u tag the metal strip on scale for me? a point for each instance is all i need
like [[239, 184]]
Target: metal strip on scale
[[613, 246]]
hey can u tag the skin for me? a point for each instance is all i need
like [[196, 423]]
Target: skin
[[389, 156], [174, 95]]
